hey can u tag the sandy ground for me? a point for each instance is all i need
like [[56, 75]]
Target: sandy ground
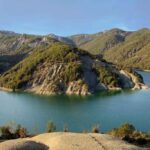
[[68, 141]]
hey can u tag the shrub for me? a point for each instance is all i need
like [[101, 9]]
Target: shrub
[[125, 130], [50, 127], [71, 57], [107, 76], [95, 129], [72, 72], [11, 132], [66, 129], [6, 132], [20, 132]]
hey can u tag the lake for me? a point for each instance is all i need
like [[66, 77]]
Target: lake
[[109, 110]]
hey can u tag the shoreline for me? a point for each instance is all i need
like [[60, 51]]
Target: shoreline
[[6, 89], [143, 87], [146, 70], [142, 70]]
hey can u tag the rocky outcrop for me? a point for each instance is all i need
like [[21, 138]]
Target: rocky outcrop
[[77, 88], [68, 141], [132, 81]]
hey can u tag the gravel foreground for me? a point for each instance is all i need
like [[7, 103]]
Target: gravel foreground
[[68, 141]]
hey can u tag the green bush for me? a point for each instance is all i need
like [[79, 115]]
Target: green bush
[[72, 71], [107, 76], [10, 132], [125, 130], [95, 129], [20, 132], [71, 57], [6, 132], [50, 127], [65, 128]]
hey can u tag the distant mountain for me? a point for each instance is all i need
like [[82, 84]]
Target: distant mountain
[[15, 47], [62, 39], [134, 51], [7, 33], [13, 43], [99, 42]]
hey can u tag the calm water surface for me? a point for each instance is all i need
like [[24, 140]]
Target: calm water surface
[[109, 110]]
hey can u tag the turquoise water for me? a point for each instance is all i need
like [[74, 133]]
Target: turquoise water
[[109, 110]]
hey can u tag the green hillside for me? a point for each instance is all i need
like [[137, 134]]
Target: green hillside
[[133, 52], [99, 42]]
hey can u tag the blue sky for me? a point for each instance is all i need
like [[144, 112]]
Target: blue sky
[[67, 17]]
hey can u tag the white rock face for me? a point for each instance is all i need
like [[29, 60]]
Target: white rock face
[[131, 81], [128, 83], [77, 88]]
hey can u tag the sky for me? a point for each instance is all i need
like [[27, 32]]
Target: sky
[[68, 17]]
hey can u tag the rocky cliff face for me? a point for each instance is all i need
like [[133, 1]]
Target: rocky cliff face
[[49, 80]]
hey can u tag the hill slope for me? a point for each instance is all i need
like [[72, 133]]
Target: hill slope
[[99, 42], [133, 52], [15, 47]]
